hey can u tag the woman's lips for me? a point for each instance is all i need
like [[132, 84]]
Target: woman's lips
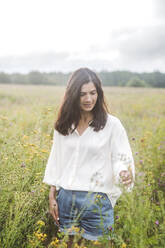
[[88, 105]]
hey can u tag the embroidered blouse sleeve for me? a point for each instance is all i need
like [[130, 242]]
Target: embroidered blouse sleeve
[[121, 156], [51, 170]]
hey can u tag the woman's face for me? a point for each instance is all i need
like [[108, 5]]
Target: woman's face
[[88, 97]]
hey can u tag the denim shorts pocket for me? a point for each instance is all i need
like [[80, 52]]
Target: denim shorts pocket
[[107, 200], [58, 193]]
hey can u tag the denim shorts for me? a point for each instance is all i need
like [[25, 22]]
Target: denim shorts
[[88, 213]]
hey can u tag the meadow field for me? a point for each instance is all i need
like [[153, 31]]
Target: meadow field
[[27, 115]]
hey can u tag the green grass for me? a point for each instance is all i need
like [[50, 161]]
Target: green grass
[[27, 115]]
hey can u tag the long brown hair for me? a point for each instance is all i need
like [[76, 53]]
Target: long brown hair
[[70, 109]]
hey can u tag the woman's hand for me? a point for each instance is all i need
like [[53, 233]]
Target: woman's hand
[[126, 177], [53, 206]]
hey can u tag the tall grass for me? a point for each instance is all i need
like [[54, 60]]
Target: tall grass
[[27, 114]]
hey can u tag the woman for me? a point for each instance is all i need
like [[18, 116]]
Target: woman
[[90, 159]]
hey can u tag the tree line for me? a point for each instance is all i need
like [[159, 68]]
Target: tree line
[[115, 78]]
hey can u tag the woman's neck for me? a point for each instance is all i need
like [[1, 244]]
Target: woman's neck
[[86, 116]]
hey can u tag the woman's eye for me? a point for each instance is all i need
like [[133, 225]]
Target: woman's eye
[[92, 93]]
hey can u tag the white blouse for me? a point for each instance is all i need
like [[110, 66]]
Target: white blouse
[[92, 161]]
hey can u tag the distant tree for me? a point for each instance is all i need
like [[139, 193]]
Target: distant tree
[[159, 79], [17, 78], [136, 82], [114, 78], [36, 77], [4, 78]]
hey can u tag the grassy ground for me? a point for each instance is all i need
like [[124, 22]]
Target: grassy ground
[[27, 114]]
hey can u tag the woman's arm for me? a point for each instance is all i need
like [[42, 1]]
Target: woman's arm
[[51, 171], [122, 159], [50, 178], [53, 206]]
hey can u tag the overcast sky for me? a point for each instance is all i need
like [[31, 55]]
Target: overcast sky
[[63, 35]]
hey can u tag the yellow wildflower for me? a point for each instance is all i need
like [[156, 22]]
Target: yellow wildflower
[[25, 137], [76, 246], [54, 242], [97, 197], [3, 117], [44, 151], [40, 236], [124, 245], [96, 242], [76, 229], [41, 223], [30, 144]]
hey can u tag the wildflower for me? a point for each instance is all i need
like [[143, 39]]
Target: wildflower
[[136, 153], [41, 223], [96, 242], [117, 217], [25, 137], [148, 133], [40, 236], [55, 242], [133, 138], [32, 242], [74, 228], [110, 228], [44, 151], [3, 117], [99, 196], [30, 144], [76, 246], [44, 236], [141, 161], [157, 222], [123, 245], [23, 165]]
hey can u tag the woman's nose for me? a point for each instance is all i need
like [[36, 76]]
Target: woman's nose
[[88, 98]]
